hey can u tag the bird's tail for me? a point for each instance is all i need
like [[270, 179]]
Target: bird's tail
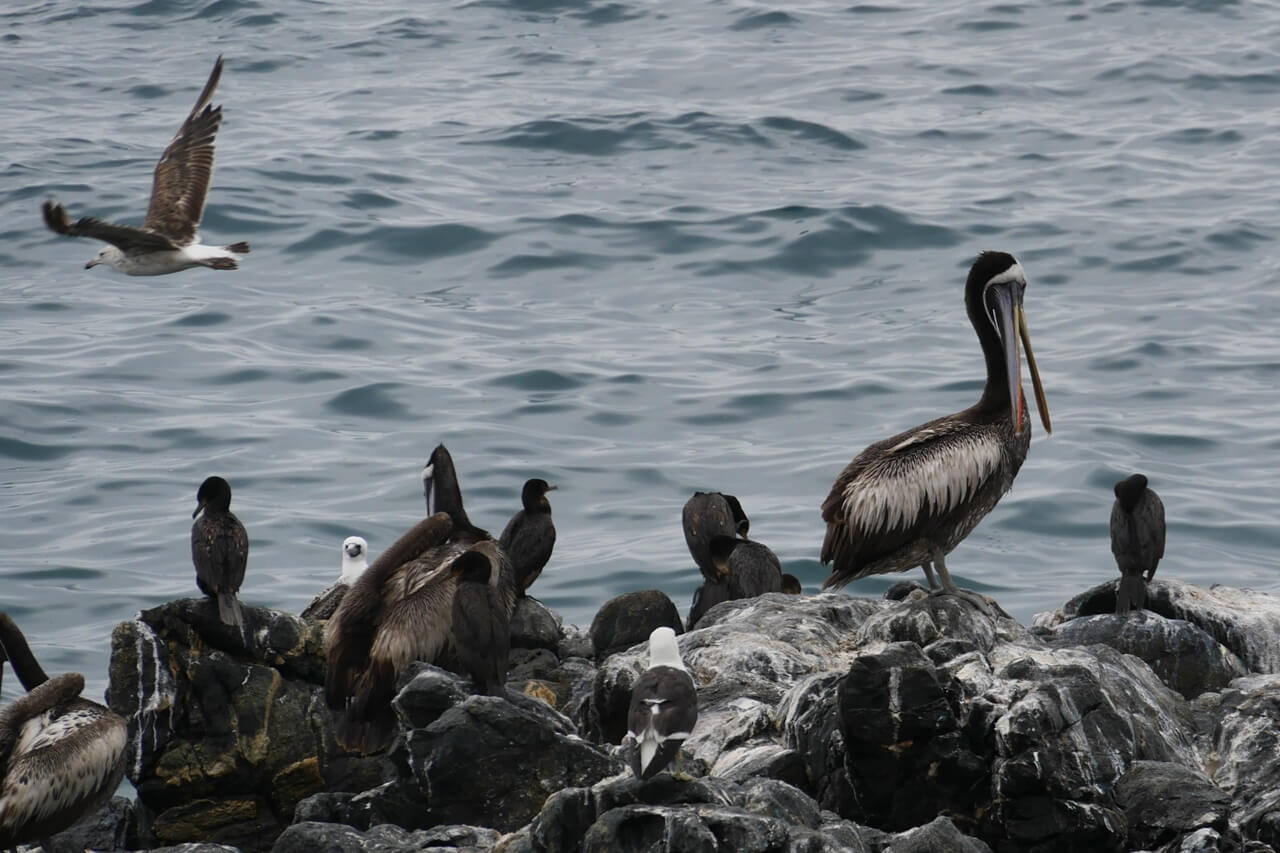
[[239, 248], [1131, 593], [229, 609]]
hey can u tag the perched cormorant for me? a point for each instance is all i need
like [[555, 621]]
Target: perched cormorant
[[167, 241], [355, 558], [705, 516], [749, 568], [61, 757], [706, 597], [908, 500], [664, 707], [791, 584], [401, 610], [354, 564], [530, 534], [481, 629], [1137, 539], [219, 548]]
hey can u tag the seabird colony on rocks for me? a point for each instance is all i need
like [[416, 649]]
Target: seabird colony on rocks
[[61, 756], [1137, 539], [402, 610], [908, 500], [219, 549], [168, 240]]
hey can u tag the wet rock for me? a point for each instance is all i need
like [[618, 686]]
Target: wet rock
[[488, 761], [386, 838], [937, 835], [324, 605], [575, 643], [1244, 753], [227, 728], [1247, 622], [112, 827], [630, 618], [1186, 658], [671, 813], [1166, 802], [535, 626]]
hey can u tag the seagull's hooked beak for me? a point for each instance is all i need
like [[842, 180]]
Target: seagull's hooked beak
[[1011, 322], [91, 264]]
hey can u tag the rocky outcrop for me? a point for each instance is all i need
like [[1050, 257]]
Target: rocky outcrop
[[826, 723]]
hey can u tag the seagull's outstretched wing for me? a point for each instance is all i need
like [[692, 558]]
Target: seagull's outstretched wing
[[183, 173], [124, 237]]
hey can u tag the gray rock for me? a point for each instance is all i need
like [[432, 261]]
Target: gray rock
[[112, 827], [1247, 622], [1244, 753], [490, 762], [630, 618], [535, 626], [324, 605], [933, 837], [1166, 802], [1185, 657], [386, 838]]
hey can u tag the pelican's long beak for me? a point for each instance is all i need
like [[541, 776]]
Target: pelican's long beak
[[1012, 322]]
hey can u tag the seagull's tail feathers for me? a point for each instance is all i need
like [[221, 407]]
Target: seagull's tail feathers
[[223, 264], [241, 248]]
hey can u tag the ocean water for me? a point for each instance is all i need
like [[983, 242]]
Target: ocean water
[[638, 249]]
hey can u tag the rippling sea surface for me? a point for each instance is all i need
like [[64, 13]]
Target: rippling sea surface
[[637, 249]]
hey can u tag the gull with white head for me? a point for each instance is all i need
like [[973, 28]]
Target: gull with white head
[[168, 240], [664, 707]]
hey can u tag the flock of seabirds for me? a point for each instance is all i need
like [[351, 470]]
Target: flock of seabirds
[[445, 590]]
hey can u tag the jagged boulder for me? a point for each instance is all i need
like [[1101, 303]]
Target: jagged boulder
[[1245, 621], [1243, 753], [385, 838], [630, 618], [227, 728]]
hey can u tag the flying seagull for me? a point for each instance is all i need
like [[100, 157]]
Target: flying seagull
[[167, 241], [664, 707]]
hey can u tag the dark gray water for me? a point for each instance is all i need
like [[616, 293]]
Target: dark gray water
[[637, 249]]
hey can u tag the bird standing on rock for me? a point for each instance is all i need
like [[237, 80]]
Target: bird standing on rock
[[908, 500], [749, 568], [530, 535], [664, 707], [219, 548], [481, 631], [1137, 539]]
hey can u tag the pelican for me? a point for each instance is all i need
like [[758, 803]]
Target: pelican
[[910, 499], [167, 242], [1137, 539], [401, 610], [219, 548], [61, 757], [530, 535]]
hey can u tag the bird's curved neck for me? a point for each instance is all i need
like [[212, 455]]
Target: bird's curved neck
[[449, 495], [13, 646]]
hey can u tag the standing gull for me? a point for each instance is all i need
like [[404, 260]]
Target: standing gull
[[61, 756], [530, 535], [1137, 539], [908, 500], [664, 706], [167, 241], [219, 548]]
